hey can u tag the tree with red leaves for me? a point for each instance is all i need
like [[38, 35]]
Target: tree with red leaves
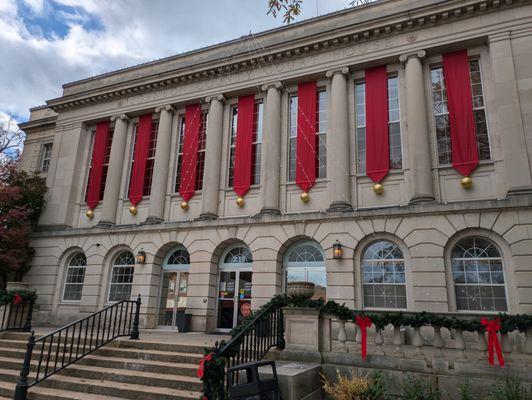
[[21, 201]]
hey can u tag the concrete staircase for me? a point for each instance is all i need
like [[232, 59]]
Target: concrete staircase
[[123, 369]]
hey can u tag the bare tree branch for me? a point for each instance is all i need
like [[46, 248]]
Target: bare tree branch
[[292, 8], [11, 138]]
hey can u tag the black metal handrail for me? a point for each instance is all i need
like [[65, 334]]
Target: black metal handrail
[[255, 339], [16, 316], [57, 350]]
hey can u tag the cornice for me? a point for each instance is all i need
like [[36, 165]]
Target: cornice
[[38, 123], [373, 29]]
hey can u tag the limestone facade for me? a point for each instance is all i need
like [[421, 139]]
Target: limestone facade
[[423, 210]]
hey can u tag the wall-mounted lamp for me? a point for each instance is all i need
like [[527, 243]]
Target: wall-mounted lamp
[[337, 250], [141, 257]]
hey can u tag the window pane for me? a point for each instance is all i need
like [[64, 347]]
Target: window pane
[[122, 277]]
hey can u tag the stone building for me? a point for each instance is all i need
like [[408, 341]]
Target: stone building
[[423, 235]]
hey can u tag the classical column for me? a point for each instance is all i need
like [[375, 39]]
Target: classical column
[[417, 138], [271, 149], [512, 133], [213, 159], [162, 165], [114, 171], [338, 165]]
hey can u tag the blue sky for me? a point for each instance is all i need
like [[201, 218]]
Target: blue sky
[[45, 43]]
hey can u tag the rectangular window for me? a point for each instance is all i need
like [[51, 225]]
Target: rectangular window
[[105, 166], [394, 125], [150, 159], [441, 113], [46, 155], [321, 132], [256, 144], [202, 142], [74, 283], [121, 282]]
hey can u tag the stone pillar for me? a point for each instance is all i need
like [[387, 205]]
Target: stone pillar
[[114, 172], [338, 165], [417, 140], [271, 149], [511, 131], [162, 165], [211, 174]]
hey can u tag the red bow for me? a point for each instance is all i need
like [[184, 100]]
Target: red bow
[[201, 369], [492, 327], [363, 323], [17, 299]]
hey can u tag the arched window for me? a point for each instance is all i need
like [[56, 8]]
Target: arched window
[[383, 275], [238, 255], [74, 277], [179, 257], [478, 275], [122, 277], [304, 261]]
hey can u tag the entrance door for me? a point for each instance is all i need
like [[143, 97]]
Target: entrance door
[[234, 301], [173, 297]]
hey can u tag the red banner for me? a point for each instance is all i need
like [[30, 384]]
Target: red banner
[[190, 151], [98, 158], [377, 139], [464, 148], [136, 184], [244, 140], [306, 135], [363, 323]]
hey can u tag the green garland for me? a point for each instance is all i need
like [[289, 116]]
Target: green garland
[[214, 370], [8, 296]]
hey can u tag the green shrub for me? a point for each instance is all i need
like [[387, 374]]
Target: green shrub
[[418, 389], [465, 391], [511, 388], [366, 387]]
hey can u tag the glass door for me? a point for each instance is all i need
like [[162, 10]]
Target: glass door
[[173, 297], [234, 301]]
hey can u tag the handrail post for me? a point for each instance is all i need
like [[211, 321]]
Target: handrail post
[[29, 317], [135, 330], [21, 391]]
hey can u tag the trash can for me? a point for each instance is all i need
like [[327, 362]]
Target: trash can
[[244, 382], [183, 321]]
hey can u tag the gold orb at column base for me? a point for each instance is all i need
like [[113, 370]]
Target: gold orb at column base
[[133, 210], [90, 214], [240, 201], [466, 182], [305, 197], [184, 205], [378, 188]]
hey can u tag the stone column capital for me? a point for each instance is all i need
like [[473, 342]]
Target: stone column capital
[[123, 117], [420, 54], [168, 108], [272, 85], [340, 70], [218, 97]]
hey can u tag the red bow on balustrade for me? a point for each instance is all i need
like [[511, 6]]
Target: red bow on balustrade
[[17, 299], [201, 369], [492, 327], [363, 323]]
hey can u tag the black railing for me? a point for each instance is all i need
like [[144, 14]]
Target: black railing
[[16, 316], [57, 350], [255, 339]]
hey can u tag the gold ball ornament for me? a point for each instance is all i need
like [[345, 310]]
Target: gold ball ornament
[[305, 197], [378, 188], [240, 201], [466, 182], [133, 210], [184, 205], [90, 214]]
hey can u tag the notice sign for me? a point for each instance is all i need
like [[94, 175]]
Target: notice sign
[[245, 309]]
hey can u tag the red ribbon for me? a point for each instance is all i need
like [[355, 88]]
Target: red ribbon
[[363, 323], [201, 369], [492, 327], [17, 299]]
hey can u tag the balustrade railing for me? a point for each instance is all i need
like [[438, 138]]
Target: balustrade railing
[[57, 350], [16, 316]]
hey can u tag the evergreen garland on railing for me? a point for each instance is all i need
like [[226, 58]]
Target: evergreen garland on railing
[[214, 370], [11, 296]]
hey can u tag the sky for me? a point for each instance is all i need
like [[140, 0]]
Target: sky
[[46, 43]]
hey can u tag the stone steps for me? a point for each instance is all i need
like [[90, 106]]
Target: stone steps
[[122, 369]]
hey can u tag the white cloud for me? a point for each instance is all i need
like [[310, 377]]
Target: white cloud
[[129, 32]]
